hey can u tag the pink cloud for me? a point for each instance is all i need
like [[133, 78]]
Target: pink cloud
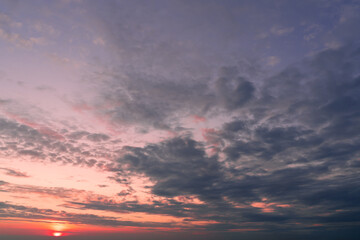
[[283, 205], [211, 136], [198, 119], [81, 107], [40, 128], [268, 207]]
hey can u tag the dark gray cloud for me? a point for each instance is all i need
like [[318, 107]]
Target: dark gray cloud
[[2, 182], [291, 155], [298, 91], [178, 60], [152, 101], [233, 91], [98, 137], [14, 173], [30, 140], [94, 137], [234, 126], [179, 167]]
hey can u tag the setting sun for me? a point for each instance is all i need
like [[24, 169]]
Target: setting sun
[[57, 234]]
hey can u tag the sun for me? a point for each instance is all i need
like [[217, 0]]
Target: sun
[[57, 234]]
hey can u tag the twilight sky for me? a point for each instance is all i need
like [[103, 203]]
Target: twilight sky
[[180, 119]]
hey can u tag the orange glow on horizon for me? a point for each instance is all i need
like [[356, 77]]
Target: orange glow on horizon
[[58, 228]]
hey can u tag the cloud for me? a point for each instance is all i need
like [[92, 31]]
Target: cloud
[[93, 137], [280, 31], [165, 163], [290, 139], [28, 139], [6, 27], [14, 173], [161, 103], [2, 182], [6, 20], [147, 101], [294, 145], [98, 137], [45, 29], [8, 210], [278, 150], [233, 90], [272, 61], [55, 192], [13, 32]]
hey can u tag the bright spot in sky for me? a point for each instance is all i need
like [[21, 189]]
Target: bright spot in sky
[[57, 234]]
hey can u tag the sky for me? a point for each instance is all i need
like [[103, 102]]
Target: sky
[[179, 119]]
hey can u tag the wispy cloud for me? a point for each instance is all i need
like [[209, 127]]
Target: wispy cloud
[[14, 173]]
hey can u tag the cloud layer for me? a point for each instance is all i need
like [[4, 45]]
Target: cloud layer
[[216, 120]]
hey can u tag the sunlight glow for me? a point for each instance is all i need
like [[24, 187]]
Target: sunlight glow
[[57, 234]]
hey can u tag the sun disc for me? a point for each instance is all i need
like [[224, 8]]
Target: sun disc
[[57, 234]]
